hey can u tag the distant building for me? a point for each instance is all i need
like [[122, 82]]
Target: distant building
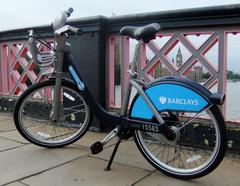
[[179, 58], [196, 73], [160, 71]]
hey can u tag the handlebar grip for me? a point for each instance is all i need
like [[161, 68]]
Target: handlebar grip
[[69, 11], [75, 30], [60, 20]]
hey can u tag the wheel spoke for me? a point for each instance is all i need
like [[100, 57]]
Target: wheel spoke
[[188, 154], [36, 114], [198, 114]]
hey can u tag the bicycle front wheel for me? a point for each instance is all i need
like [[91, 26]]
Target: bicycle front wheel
[[34, 111], [197, 150]]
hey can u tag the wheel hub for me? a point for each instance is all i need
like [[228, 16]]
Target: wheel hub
[[161, 138], [177, 136]]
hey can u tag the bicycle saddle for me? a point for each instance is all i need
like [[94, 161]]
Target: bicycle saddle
[[145, 33]]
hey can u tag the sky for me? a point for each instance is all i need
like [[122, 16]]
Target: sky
[[25, 13]]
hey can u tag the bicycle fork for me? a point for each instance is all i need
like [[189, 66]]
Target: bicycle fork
[[57, 87]]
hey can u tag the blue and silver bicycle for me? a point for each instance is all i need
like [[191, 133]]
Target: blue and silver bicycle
[[176, 123]]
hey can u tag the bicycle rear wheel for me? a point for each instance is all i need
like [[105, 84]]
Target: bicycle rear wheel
[[34, 110], [197, 150]]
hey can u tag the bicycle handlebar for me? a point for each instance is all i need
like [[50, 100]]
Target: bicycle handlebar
[[75, 30], [60, 29], [69, 11], [69, 30], [60, 20], [59, 24]]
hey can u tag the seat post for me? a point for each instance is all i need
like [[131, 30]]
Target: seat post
[[132, 75]]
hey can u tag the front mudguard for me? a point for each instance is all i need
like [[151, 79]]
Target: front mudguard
[[173, 94]]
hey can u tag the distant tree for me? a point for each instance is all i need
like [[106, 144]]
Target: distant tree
[[206, 75], [230, 74], [236, 76]]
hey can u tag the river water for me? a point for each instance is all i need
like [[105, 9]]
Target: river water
[[233, 100]]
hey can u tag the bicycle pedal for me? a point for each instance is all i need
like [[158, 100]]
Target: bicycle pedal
[[96, 147]]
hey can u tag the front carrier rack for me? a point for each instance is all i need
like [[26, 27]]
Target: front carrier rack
[[43, 59]]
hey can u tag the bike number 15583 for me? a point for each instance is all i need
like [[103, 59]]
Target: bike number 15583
[[151, 128]]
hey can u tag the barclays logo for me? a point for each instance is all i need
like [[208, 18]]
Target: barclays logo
[[163, 100], [178, 101]]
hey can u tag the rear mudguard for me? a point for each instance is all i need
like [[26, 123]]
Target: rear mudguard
[[175, 94]]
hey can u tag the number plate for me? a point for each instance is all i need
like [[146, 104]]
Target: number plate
[[151, 128]]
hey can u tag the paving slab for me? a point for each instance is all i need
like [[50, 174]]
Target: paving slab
[[87, 171], [91, 137], [16, 184], [227, 174], [22, 163], [127, 154], [7, 125], [14, 136], [30, 159], [6, 144], [5, 116]]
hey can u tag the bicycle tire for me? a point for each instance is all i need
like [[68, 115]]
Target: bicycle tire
[[142, 138], [60, 135]]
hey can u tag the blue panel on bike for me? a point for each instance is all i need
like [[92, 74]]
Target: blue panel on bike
[[80, 84], [168, 97]]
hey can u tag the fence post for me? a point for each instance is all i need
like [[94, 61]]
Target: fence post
[[222, 66], [4, 89]]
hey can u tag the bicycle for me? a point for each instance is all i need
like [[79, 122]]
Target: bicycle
[[162, 116]]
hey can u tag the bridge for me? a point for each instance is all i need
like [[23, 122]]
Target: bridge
[[105, 56]]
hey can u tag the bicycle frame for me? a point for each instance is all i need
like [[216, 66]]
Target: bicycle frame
[[166, 105], [102, 114], [63, 51]]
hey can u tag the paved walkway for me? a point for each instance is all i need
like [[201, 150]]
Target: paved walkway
[[23, 164]]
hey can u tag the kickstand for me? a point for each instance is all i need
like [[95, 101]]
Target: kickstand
[[108, 168]]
